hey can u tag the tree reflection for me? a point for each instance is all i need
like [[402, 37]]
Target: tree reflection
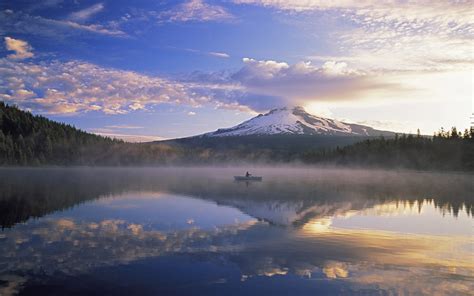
[[32, 193]]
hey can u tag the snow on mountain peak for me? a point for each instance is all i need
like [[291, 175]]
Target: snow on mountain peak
[[293, 121]]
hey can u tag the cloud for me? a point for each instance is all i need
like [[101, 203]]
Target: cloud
[[417, 52], [71, 87], [75, 87], [191, 113], [21, 48], [86, 13], [23, 23], [411, 35], [65, 223], [133, 242], [335, 270], [412, 8], [124, 126], [128, 137], [208, 53], [115, 132], [392, 125], [303, 82], [265, 84], [195, 10], [219, 54]]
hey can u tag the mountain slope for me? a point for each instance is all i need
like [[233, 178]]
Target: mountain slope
[[296, 121]]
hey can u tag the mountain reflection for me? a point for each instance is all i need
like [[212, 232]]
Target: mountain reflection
[[287, 195]]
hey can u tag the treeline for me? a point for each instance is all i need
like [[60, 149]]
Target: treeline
[[28, 140], [35, 140], [446, 150]]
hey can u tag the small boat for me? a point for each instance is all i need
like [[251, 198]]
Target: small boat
[[249, 178]]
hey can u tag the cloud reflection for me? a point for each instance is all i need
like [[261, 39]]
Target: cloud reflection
[[72, 247]]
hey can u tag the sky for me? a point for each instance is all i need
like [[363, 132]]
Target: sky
[[146, 70]]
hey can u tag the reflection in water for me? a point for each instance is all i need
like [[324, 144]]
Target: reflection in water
[[318, 232], [289, 190]]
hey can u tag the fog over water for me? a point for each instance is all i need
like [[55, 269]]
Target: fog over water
[[182, 231]]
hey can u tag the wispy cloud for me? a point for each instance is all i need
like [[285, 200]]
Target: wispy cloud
[[86, 13], [411, 8], [117, 132], [21, 48], [219, 54], [23, 23], [392, 125], [123, 126], [126, 137], [195, 10], [208, 53], [409, 35]]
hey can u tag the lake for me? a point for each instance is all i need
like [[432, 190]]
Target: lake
[[195, 231]]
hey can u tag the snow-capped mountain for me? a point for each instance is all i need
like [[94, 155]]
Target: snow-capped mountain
[[286, 213], [295, 121]]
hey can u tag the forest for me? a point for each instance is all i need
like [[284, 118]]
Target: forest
[[29, 140], [445, 150]]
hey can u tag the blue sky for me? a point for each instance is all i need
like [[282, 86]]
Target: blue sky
[[145, 70]]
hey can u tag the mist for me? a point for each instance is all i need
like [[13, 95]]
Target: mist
[[50, 189]]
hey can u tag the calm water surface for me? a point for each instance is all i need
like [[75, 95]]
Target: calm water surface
[[195, 231]]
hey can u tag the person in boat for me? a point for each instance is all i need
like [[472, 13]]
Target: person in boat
[[247, 174]]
